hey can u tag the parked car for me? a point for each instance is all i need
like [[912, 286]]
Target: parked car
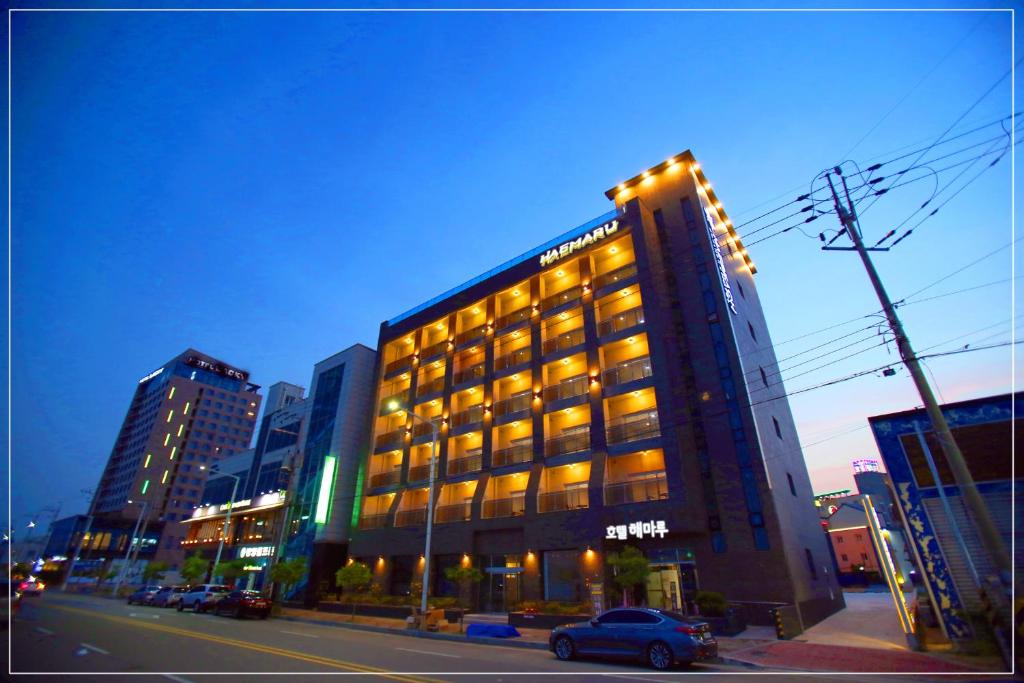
[[143, 595], [32, 588], [11, 600], [196, 595], [240, 603], [655, 636], [168, 596]]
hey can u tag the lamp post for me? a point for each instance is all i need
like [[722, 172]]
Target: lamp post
[[227, 517], [128, 551], [394, 406], [81, 544]]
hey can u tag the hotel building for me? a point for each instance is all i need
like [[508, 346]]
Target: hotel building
[[613, 387], [188, 413]]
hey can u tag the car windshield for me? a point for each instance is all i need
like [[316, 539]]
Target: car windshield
[[181, 589]]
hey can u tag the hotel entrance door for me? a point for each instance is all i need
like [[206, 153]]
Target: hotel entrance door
[[501, 587]]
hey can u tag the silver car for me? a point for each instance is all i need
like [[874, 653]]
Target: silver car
[[197, 595]]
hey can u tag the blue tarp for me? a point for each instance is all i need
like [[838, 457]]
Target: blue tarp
[[492, 631]]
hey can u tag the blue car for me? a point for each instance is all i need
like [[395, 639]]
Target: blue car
[[658, 637]]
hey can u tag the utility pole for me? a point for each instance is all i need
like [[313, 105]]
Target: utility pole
[[990, 537]]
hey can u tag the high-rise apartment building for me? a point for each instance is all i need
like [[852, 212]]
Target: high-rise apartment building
[[190, 412], [613, 387]]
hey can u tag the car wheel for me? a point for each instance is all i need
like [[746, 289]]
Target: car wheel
[[659, 655], [264, 615], [565, 649], [129, 601], [238, 612], [181, 606], [196, 608]]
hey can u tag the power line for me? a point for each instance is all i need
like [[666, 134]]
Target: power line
[[961, 269]]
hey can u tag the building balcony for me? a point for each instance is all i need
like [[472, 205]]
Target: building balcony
[[411, 517], [434, 350], [568, 388], [395, 399], [513, 318], [621, 321], [561, 342], [461, 512], [628, 371], [514, 404], [562, 298], [373, 521], [568, 443], [389, 440], [426, 428], [472, 335], [468, 374], [634, 427], [512, 359], [467, 463], [504, 507], [385, 478], [512, 455], [615, 277], [471, 415], [419, 473], [433, 386], [640, 491], [398, 365], [559, 501]]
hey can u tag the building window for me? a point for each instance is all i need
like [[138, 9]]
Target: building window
[[778, 429], [562, 576], [764, 376], [858, 537], [740, 287], [845, 558], [839, 539], [750, 327], [792, 486], [810, 563], [863, 556]]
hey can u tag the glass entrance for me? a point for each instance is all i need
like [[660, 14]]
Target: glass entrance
[[501, 587]]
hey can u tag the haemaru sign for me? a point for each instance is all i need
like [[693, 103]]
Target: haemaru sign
[[581, 242]]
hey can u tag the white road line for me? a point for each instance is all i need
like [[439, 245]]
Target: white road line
[[296, 633], [177, 678], [44, 630], [87, 646], [427, 652]]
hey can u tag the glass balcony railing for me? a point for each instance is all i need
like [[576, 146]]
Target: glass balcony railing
[[621, 321], [468, 374], [434, 350], [477, 332], [558, 501], [628, 371], [639, 491], [396, 365], [460, 512], [513, 404], [512, 359], [392, 439], [385, 478], [512, 318], [563, 297], [398, 399], [567, 388], [419, 473], [431, 387], [467, 463], [615, 276], [468, 416], [411, 517], [568, 443], [372, 521], [504, 507], [513, 454], [563, 341], [634, 427], [426, 428]]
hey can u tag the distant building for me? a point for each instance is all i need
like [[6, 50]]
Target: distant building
[[851, 540]]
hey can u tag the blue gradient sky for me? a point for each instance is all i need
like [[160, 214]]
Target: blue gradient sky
[[269, 187]]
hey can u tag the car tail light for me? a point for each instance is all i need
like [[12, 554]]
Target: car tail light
[[689, 630]]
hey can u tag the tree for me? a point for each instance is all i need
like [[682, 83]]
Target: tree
[[103, 574], [355, 577], [231, 570], [154, 571], [465, 577], [631, 569], [288, 572], [194, 567]]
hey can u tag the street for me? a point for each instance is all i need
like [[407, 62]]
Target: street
[[68, 633]]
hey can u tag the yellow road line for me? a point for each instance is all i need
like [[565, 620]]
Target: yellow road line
[[268, 649]]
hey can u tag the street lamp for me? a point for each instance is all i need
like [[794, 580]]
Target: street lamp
[[127, 553], [81, 544], [394, 406], [227, 517]]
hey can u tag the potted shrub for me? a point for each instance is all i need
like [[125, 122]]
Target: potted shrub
[[714, 609]]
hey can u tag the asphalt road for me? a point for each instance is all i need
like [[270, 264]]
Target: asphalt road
[[66, 633]]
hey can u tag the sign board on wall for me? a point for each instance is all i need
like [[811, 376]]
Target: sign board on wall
[[217, 368]]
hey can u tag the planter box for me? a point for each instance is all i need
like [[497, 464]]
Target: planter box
[[729, 625], [389, 611], [453, 614], [545, 621]]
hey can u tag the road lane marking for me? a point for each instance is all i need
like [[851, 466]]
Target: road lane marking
[[44, 631], [427, 652], [180, 679], [267, 649], [296, 633], [87, 646]]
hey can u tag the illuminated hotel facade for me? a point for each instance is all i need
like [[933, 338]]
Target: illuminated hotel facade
[[616, 386]]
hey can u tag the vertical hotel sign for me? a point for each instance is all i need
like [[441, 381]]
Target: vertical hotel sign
[[712, 223]]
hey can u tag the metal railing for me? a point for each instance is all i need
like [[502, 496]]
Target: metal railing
[[467, 374], [513, 358], [512, 318], [385, 478], [504, 507], [400, 399], [621, 321], [399, 364], [618, 275], [563, 297], [513, 454], [634, 426], [434, 349], [568, 443], [557, 501], [460, 512], [419, 473], [567, 388], [424, 428], [477, 332], [628, 371], [468, 416], [467, 463], [434, 385], [639, 491], [566, 340], [411, 517], [513, 404], [389, 439], [373, 521]]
